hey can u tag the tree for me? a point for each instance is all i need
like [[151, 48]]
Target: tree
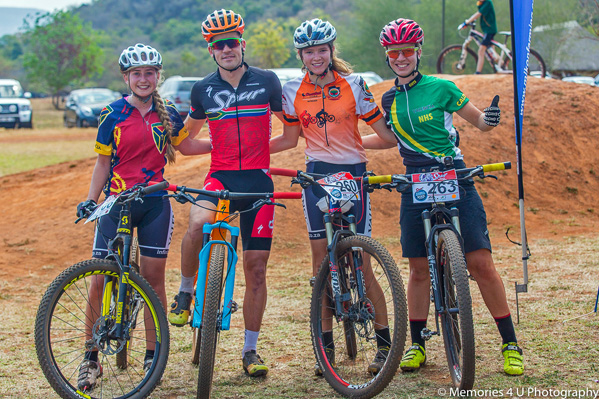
[[267, 44], [60, 50]]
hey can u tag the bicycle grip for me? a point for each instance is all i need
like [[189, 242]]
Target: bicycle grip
[[283, 172], [497, 166], [155, 186], [378, 179], [287, 195]]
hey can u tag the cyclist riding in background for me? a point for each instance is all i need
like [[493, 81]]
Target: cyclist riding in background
[[486, 13], [237, 101], [326, 104], [419, 109], [136, 136]]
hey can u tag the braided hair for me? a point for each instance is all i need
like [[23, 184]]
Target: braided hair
[[166, 123]]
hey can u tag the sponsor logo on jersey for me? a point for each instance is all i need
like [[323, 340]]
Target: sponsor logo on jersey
[[461, 100], [334, 92], [225, 98]]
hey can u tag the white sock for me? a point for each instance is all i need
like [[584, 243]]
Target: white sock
[[251, 341], [187, 284]]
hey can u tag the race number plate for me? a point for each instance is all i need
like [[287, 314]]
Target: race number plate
[[341, 186], [102, 209], [435, 187]]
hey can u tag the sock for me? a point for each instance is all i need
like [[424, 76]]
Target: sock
[[416, 326], [327, 337], [187, 284], [506, 328], [251, 341], [477, 73], [149, 354], [91, 355], [383, 337]]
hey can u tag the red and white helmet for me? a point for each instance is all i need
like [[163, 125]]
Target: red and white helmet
[[401, 31]]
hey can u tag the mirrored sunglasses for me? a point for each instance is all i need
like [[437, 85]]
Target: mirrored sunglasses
[[407, 52], [231, 43]]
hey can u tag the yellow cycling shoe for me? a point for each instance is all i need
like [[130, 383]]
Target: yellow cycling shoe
[[414, 358], [253, 364], [512, 354], [179, 313]]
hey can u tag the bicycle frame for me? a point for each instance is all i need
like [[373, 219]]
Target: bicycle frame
[[477, 37]]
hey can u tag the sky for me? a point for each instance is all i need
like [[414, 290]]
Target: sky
[[47, 5]]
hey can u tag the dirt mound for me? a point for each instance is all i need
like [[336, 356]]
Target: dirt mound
[[38, 236]]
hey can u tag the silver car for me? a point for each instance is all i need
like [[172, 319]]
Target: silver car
[[178, 89]]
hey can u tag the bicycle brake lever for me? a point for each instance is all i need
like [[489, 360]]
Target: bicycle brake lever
[[78, 220], [491, 176], [277, 204]]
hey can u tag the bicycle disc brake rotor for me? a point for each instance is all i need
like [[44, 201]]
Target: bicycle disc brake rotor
[[363, 316], [101, 336]]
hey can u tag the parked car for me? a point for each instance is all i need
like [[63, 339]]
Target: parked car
[[580, 79], [15, 107], [371, 78], [287, 74], [83, 106], [178, 89]]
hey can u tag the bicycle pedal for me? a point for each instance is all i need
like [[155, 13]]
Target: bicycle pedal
[[426, 334], [312, 281], [234, 306]]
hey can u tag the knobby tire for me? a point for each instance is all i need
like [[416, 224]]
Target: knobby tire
[[449, 57], [458, 328], [60, 334], [210, 320], [349, 375]]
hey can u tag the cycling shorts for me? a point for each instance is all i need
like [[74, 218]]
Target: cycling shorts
[[256, 225], [314, 216], [473, 219], [487, 39], [154, 220]]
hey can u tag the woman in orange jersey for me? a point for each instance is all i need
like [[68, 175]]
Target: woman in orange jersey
[[326, 104]]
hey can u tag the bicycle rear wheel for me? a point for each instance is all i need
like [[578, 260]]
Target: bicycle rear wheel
[[450, 61], [348, 372], [61, 325], [456, 319], [212, 314]]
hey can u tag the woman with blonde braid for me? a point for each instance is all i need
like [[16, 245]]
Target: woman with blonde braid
[[137, 135]]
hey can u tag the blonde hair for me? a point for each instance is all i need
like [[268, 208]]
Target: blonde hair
[[166, 123], [339, 65]]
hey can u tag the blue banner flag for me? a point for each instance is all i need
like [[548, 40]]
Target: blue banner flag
[[521, 22], [521, 32]]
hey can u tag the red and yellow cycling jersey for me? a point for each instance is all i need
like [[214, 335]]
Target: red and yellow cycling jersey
[[329, 116]]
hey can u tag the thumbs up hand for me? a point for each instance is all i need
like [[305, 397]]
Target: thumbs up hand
[[493, 113]]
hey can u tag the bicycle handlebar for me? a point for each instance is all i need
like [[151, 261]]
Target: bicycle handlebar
[[225, 194], [462, 173]]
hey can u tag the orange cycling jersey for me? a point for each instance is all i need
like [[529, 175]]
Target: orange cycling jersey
[[329, 116]]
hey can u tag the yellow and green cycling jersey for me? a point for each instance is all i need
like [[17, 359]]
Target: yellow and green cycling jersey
[[420, 114]]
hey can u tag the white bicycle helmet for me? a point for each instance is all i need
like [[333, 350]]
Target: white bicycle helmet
[[138, 56], [313, 33]]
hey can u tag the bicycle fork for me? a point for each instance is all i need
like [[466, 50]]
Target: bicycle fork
[[437, 292]]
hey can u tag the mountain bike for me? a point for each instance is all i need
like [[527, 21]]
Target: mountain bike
[[450, 291], [121, 322], [213, 302], [357, 290], [459, 59]]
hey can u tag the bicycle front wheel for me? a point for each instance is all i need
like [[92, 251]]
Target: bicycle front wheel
[[63, 331], [452, 61], [212, 314], [356, 334], [456, 318]]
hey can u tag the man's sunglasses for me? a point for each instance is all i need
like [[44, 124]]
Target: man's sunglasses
[[407, 52], [221, 43]]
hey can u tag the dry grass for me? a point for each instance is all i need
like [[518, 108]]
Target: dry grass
[[561, 351]]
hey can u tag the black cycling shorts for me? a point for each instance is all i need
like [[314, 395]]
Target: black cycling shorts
[[257, 225], [473, 219], [314, 216], [487, 39], [154, 220]]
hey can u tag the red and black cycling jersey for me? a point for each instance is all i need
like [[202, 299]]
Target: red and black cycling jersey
[[239, 119]]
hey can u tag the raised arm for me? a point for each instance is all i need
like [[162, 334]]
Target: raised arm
[[486, 120]]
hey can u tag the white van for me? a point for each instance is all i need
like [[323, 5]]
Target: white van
[[15, 108]]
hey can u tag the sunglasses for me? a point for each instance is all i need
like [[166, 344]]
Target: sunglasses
[[407, 52], [221, 43]]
